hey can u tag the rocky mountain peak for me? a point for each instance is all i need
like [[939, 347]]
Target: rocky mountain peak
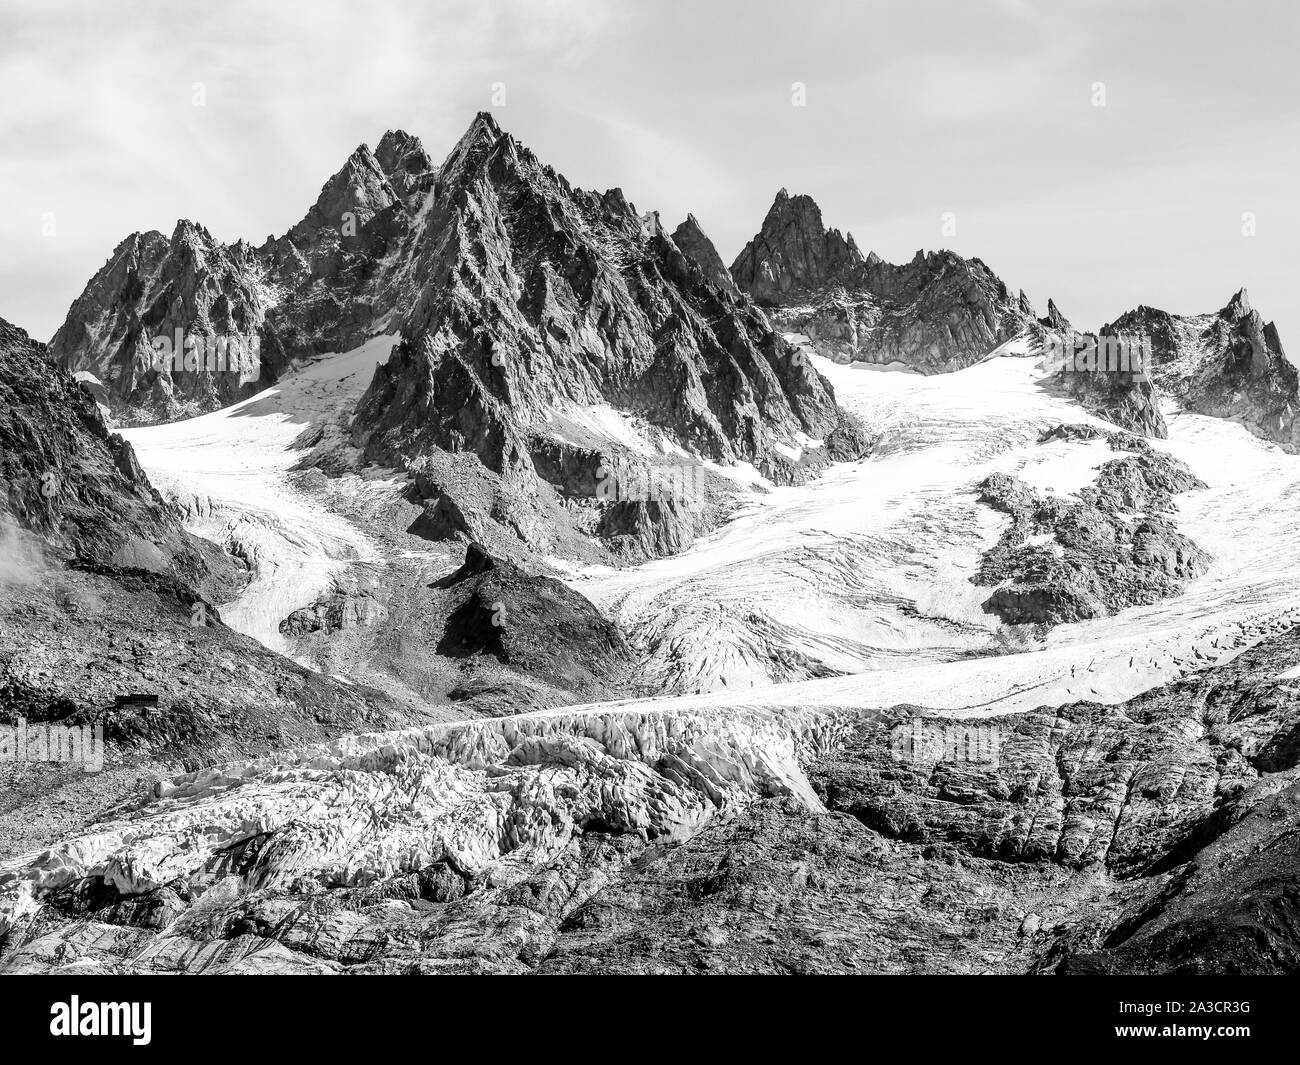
[[360, 189], [936, 312], [1238, 306], [538, 301], [691, 238], [1229, 364], [1054, 319], [404, 161], [480, 138], [793, 252], [187, 232]]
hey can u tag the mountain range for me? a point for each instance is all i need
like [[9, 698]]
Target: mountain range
[[471, 548]]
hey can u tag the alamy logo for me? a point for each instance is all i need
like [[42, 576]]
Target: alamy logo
[[645, 483], [926, 741], [1086, 353], [74, 744], [75, 1017], [217, 354]]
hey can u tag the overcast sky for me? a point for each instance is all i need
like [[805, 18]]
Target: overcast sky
[[979, 108]]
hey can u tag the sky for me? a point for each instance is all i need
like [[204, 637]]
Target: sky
[[1103, 154]]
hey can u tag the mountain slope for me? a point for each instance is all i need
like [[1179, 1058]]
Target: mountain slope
[[1229, 364], [333, 280], [105, 596], [539, 295], [937, 313]]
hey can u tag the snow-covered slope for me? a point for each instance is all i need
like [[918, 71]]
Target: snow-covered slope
[[854, 590], [231, 472], [868, 570]]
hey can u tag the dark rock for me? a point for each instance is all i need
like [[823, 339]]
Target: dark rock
[[937, 313], [1128, 400], [625, 319], [1227, 365], [1062, 560], [540, 628], [793, 252], [695, 243]]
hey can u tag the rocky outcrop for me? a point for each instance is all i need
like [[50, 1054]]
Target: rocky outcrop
[[538, 628], [1054, 320], [697, 246], [76, 488], [794, 253], [173, 326], [176, 326], [1116, 546], [1230, 364], [937, 313], [340, 609], [1124, 398], [106, 596], [546, 295]]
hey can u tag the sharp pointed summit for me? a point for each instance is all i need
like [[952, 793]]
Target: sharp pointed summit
[[938, 312]]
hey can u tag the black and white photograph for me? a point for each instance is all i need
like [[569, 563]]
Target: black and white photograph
[[604, 488]]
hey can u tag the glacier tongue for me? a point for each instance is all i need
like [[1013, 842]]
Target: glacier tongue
[[497, 797], [230, 472]]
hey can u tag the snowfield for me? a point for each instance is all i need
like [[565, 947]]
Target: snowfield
[[230, 472], [853, 591], [868, 570]]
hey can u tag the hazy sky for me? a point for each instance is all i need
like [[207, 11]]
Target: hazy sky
[[982, 109]]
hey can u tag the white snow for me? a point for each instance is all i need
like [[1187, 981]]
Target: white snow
[[601, 420], [230, 471], [868, 569]]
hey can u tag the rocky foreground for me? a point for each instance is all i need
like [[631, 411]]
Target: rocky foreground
[[1158, 835]]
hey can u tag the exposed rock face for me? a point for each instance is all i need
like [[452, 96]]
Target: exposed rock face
[[939, 312], [1154, 836], [1116, 546], [76, 487], [342, 608], [246, 313], [1054, 319], [1126, 398], [489, 637], [1228, 365], [696, 245], [794, 253], [154, 291], [541, 295], [540, 629], [105, 595]]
